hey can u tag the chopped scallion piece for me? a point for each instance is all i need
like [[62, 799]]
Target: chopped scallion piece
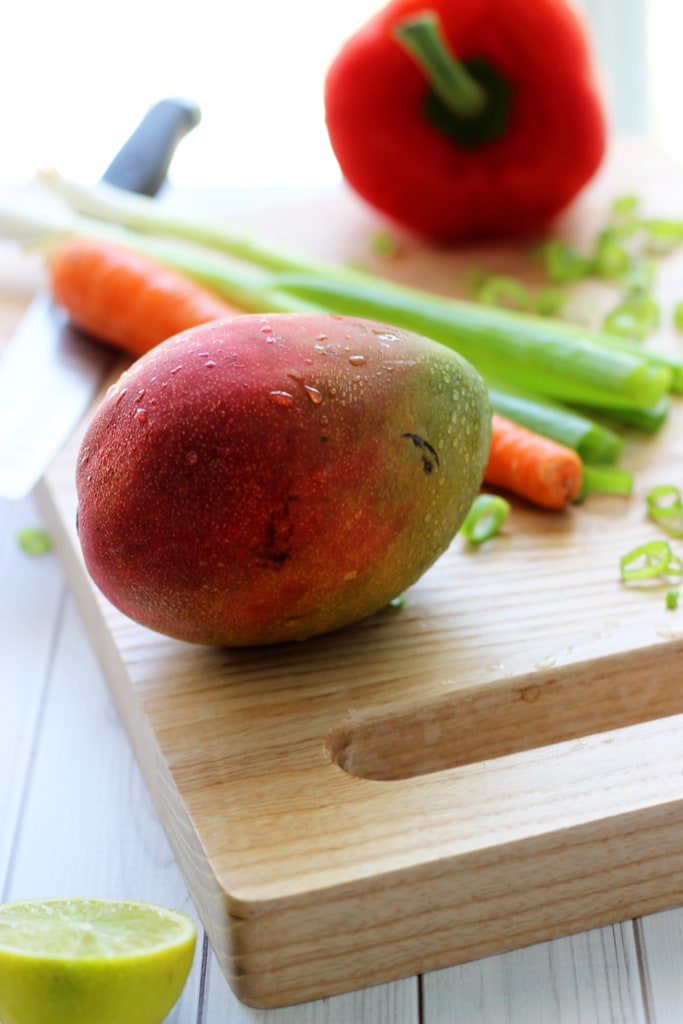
[[678, 316], [625, 206], [485, 518], [34, 541], [565, 263], [649, 561], [499, 290], [672, 597], [636, 317], [664, 498], [384, 244], [639, 276], [474, 280], [611, 259], [662, 235], [665, 507], [549, 302]]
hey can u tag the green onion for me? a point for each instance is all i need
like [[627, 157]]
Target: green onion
[[384, 244], [678, 316], [611, 259], [34, 541], [662, 235], [651, 560], [672, 595], [564, 263], [606, 480], [486, 517], [665, 361], [549, 302], [637, 316], [648, 420], [640, 276], [625, 206], [137, 213], [665, 507], [475, 278], [500, 290]]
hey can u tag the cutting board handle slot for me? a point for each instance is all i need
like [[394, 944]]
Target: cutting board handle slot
[[421, 737]]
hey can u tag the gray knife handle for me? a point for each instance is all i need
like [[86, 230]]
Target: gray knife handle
[[142, 163]]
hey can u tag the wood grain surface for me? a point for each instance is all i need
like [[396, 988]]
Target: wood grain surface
[[496, 763]]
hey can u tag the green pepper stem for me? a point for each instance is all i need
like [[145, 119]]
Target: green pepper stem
[[422, 38]]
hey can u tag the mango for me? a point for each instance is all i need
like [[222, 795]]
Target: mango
[[269, 478]]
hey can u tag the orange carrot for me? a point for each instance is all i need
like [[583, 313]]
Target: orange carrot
[[531, 466], [126, 298]]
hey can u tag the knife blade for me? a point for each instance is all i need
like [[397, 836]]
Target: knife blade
[[49, 370]]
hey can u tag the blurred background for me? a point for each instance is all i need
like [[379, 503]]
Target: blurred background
[[76, 77]]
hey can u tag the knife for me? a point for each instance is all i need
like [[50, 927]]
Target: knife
[[49, 370]]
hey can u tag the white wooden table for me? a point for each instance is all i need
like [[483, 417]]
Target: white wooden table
[[76, 818]]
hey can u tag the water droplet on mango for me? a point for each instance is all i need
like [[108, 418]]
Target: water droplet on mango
[[314, 394], [281, 397]]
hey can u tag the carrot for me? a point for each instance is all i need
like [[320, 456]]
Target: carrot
[[126, 298], [532, 466]]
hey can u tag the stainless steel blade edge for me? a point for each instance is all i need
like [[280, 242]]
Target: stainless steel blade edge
[[29, 442]]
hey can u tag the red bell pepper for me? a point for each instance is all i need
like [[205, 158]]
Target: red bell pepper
[[467, 118]]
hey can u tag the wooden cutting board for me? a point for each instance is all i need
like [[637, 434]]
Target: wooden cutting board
[[496, 763]]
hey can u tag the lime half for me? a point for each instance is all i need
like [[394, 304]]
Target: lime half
[[91, 961]]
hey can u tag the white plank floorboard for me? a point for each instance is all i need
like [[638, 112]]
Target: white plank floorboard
[[30, 607], [661, 939], [591, 978]]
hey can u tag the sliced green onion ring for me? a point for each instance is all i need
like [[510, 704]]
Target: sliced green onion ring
[[636, 317], [383, 243], [34, 541], [640, 276], [649, 561], [564, 263], [662, 234], [625, 206], [665, 507], [485, 518], [664, 499], [500, 290], [611, 259], [549, 301]]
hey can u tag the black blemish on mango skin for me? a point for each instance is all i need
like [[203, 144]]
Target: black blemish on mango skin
[[429, 455]]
